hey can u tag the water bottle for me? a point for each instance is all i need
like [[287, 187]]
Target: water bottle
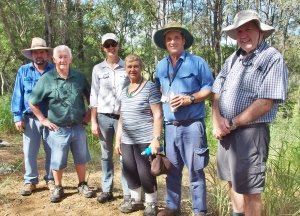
[[148, 150]]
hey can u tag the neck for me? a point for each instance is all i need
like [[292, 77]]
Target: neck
[[174, 58], [112, 59], [137, 81], [63, 73], [40, 68]]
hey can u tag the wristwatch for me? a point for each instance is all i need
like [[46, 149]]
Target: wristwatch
[[192, 98], [232, 125]]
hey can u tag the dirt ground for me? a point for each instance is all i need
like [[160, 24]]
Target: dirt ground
[[13, 204]]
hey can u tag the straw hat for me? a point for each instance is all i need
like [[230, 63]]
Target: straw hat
[[159, 35], [243, 17], [36, 44]]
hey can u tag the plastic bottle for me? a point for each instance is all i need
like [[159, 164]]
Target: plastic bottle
[[148, 150]]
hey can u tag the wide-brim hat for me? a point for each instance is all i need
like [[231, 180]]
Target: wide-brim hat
[[36, 44], [243, 17], [159, 35]]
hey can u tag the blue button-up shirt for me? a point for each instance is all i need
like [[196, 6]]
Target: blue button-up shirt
[[27, 77], [191, 74]]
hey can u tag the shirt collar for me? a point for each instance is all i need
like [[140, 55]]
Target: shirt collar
[[47, 67], [119, 64], [182, 56]]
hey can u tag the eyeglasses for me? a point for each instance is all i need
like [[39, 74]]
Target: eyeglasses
[[109, 44]]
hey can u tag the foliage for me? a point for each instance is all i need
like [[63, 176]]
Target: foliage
[[6, 119]]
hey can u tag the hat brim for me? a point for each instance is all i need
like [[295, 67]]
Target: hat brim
[[159, 37], [231, 29], [27, 52]]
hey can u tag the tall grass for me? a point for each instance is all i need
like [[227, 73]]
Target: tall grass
[[6, 119]]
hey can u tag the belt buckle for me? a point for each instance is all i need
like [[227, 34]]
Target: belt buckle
[[176, 123]]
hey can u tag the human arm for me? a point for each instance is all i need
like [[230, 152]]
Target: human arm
[[118, 137], [157, 127], [254, 111], [94, 123], [185, 100], [221, 125], [44, 121]]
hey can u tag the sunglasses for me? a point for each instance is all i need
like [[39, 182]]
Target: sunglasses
[[109, 44]]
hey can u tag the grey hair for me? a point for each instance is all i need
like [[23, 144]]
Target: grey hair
[[61, 48]]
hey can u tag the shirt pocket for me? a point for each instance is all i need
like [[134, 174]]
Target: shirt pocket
[[104, 79], [189, 83], [29, 82], [252, 79]]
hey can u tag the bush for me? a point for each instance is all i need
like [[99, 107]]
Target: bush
[[6, 119]]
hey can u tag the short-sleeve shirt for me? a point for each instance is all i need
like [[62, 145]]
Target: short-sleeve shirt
[[64, 97], [107, 86], [193, 74], [260, 75], [137, 118]]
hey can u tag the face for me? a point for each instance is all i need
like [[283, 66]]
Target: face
[[174, 42], [39, 57], [62, 60], [133, 69], [249, 36], [111, 48]]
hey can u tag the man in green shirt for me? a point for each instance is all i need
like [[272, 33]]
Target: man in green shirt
[[63, 90]]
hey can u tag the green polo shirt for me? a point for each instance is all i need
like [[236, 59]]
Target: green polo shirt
[[64, 98]]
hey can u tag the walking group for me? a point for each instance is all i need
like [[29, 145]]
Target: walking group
[[53, 103]]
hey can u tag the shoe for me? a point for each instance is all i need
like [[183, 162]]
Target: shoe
[[50, 185], [168, 212], [84, 190], [199, 214], [27, 189], [130, 205], [105, 197], [151, 209], [56, 194]]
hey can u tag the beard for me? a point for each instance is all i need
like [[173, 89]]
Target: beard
[[39, 61]]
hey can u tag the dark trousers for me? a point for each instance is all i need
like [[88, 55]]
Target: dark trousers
[[137, 168]]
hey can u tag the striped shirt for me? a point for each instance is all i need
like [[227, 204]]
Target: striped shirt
[[260, 75], [137, 118]]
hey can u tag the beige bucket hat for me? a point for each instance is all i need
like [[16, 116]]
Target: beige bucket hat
[[159, 35], [243, 17], [36, 44]]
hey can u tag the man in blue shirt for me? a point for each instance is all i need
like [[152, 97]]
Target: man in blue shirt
[[185, 82], [24, 119], [251, 84]]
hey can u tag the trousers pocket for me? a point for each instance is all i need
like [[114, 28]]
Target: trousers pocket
[[201, 158]]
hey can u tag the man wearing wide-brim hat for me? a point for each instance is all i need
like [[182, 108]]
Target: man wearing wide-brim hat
[[185, 81], [25, 121], [247, 92]]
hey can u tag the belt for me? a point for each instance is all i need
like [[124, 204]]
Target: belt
[[69, 125], [111, 115], [182, 122], [30, 115]]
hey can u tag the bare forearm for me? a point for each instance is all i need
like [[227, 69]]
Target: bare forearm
[[37, 112], [256, 110]]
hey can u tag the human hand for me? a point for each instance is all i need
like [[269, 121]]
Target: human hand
[[221, 127], [155, 146], [95, 128], [20, 126], [179, 100], [118, 148], [49, 124]]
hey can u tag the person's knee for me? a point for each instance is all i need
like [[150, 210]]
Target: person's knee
[[249, 198]]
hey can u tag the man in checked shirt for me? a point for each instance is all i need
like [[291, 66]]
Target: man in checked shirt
[[247, 92]]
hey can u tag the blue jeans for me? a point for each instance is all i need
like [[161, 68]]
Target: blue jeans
[[187, 145], [108, 127], [32, 135]]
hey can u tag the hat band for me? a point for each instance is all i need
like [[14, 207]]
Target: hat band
[[37, 45]]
